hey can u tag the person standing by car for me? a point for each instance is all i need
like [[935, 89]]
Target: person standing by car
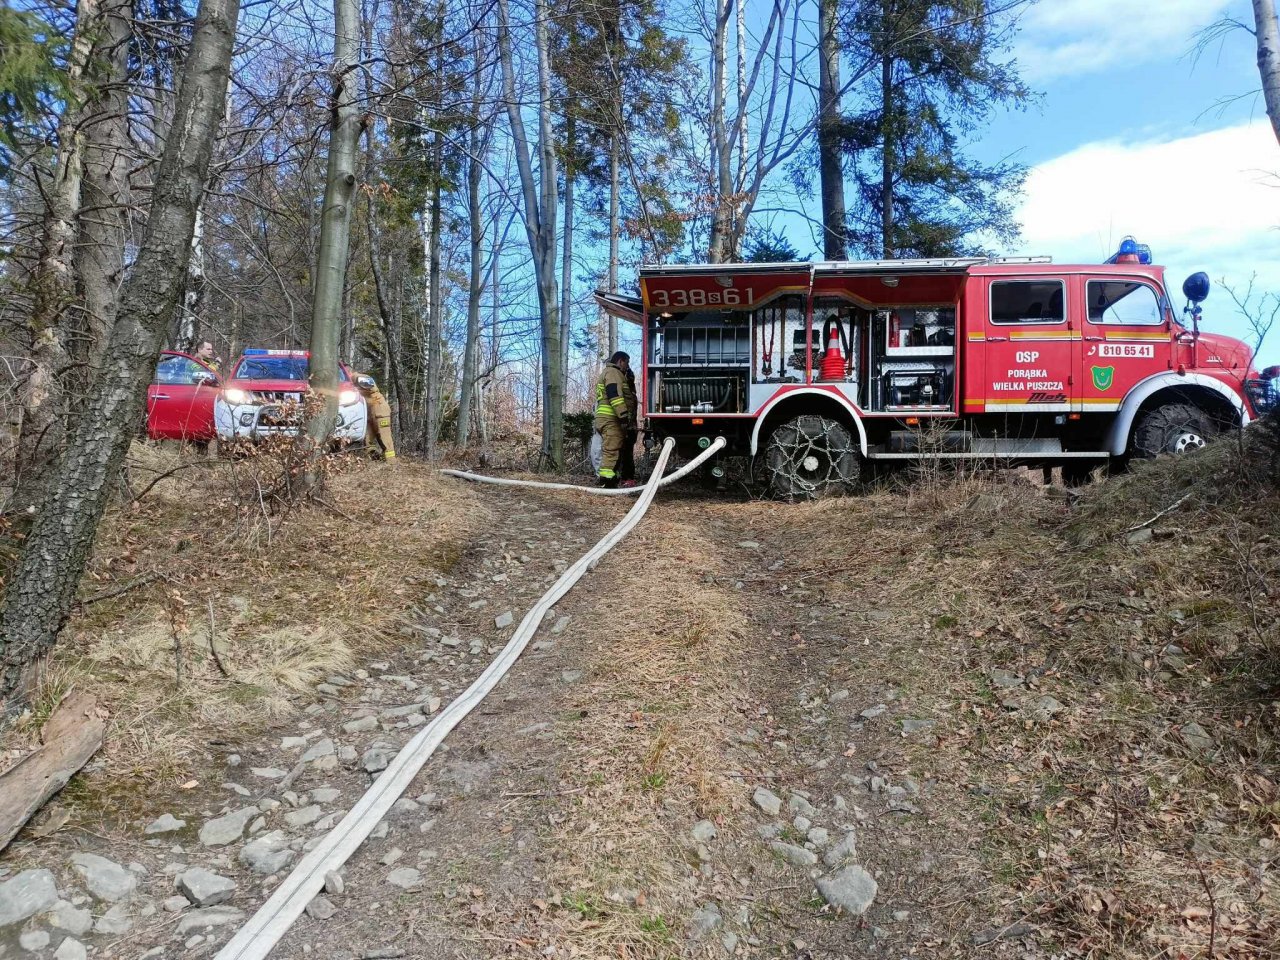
[[206, 356], [379, 415]]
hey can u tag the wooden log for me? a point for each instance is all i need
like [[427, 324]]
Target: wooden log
[[72, 734]]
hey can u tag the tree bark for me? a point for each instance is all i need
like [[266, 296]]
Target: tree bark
[[722, 150], [1268, 36], [193, 296], [540, 203], [43, 583], [886, 155], [566, 256], [831, 169], [435, 320], [335, 236], [104, 211], [614, 236], [40, 390], [477, 142]]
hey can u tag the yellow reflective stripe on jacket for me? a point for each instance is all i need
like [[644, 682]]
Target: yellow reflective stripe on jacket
[[612, 381]]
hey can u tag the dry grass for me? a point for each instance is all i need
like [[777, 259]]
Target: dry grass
[[1109, 826], [287, 599], [656, 706]]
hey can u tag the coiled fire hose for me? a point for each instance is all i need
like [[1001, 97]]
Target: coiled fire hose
[[716, 446], [262, 932]]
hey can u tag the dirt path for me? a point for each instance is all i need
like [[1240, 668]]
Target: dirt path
[[738, 736]]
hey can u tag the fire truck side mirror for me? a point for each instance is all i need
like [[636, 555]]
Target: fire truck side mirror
[[1196, 287]]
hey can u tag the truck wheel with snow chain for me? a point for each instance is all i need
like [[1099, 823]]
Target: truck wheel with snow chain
[[1172, 428], [810, 457]]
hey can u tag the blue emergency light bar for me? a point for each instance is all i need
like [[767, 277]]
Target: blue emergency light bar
[[255, 352], [1131, 251]]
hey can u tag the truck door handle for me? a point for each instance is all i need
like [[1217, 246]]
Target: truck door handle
[[159, 396], [1186, 338], [996, 339], [1093, 338]]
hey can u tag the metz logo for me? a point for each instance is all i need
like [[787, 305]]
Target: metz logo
[[1041, 396]]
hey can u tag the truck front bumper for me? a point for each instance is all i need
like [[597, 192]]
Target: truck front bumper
[[253, 421]]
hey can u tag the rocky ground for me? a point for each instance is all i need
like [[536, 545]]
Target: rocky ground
[[728, 740]]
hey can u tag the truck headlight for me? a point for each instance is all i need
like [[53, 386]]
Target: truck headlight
[[347, 397], [235, 396]]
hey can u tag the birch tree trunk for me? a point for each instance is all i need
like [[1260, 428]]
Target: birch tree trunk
[[42, 586], [1268, 36], [831, 169], [194, 294], [335, 235], [540, 203], [435, 321]]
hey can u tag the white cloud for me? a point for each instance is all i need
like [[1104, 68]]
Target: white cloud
[[1205, 202], [1061, 38]]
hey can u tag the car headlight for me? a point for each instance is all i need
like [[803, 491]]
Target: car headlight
[[348, 397], [235, 396]]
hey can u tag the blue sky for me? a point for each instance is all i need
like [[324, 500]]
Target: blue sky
[[1130, 136]]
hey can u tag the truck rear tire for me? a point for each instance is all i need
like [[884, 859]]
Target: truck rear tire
[[811, 457], [1172, 428]]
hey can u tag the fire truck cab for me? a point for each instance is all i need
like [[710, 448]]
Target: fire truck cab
[[817, 369]]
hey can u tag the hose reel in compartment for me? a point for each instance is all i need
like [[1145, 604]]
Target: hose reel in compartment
[[693, 393]]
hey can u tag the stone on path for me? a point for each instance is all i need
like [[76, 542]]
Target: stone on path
[[796, 856], [320, 750], [850, 888], [705, 920], [300, 818], [269, 773], [33, 940], [207, 918], [405, 878], [167, 823], [204, 888], [68, 918], [845, 849], [703, 831], [26, 894], [911, 726], [377, 758], [362, 725], [70, 949], [321, 908], [503, 620], [333, 883], [106, 879], [768, 801], [267, 854], [228, 828]]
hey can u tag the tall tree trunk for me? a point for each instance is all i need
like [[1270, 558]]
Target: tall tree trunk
[[831, 169], [392, 378], [42, 586], [722, 150], [615, 233], [477, 142], [540, 203], [566, 256], [741, 9], [335, 234], [40, 389], [193, 296], [888, 145], [1268, 35], [104, 211], [435, 321]]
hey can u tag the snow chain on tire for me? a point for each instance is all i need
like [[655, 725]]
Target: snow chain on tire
[[811, 457]]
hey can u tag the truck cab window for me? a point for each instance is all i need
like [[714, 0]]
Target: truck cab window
[[1027, 301], [1123, 302], [177, 371]]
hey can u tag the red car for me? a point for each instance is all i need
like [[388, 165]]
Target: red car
[[180, 399]]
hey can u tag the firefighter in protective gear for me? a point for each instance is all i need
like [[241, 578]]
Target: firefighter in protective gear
[[627, 455], [613, 415], [379, 412]]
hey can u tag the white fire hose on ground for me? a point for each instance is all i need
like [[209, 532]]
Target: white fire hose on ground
[[263, 931], [716, 446]]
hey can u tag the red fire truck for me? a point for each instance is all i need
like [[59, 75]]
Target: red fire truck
[[816, 370]]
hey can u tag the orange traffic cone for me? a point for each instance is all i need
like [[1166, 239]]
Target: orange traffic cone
[[833, 360]]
